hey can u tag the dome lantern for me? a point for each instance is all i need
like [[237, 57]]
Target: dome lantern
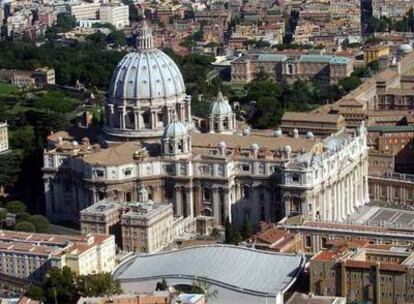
[[145, 40]]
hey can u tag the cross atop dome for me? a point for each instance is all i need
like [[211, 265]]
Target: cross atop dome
[[145, 40]]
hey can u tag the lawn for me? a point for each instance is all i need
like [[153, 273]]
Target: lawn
[[7, 89]]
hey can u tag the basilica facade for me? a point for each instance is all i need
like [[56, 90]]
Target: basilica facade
[[226, 172]]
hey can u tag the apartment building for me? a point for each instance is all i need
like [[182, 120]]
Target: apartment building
[[117, 15], [84, 10], [29, 255]]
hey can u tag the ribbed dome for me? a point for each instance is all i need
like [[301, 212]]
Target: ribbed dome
[[174, 130], [149, 74], [220, 106]]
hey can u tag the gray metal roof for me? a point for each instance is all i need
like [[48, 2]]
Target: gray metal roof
[[235, 268]]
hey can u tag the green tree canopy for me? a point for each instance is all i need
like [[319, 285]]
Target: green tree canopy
[[25, 226], [16, 207], [96, 285], [41, 223], [247, 229]]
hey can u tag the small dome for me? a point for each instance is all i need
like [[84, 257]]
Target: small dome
[[221, 106], [288, 149], [246, 132], [222, 145], [309, 134], [405, 48], [277, 133], [255, 147], [295, 133], [175, 129]]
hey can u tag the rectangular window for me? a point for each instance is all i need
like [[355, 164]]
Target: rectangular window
[[308, 241]]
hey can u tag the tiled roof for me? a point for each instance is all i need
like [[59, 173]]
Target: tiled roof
[[315, 117], [116, 155]]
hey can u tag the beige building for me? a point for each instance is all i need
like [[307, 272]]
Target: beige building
[[282, 67], [30, 255], [117, 15], [142, 226], [4, 137], [375, 52]]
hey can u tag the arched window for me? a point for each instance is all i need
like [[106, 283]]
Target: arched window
[[130, 120], [246, 192], [146, 117]]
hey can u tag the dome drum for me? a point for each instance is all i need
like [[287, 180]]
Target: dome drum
[[146, 89]]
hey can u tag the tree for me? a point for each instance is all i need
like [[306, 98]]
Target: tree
[[203, 285], [3, 216], [22, 216], [60, 285], [117, 38], [161, 286], [65, 22], [232, 236], [349, 83], [215, 233], [16, 207], [25, 226], [246, 229], [35, 293], [96, 285], [41, 223]]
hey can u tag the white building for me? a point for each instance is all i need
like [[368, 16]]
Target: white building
[[117, 15], [29, 255], [4, 137], [84, 10]]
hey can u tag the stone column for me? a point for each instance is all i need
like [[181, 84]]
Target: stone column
[[188, 118], [198, 199], [211, 125], [216, 204], [227, 204], [189, 202], [178, 201]]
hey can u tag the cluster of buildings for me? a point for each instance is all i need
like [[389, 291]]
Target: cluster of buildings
[[151, 146], [89, 13], [390, 9], [30, 19], [39, 78], [28, 256]]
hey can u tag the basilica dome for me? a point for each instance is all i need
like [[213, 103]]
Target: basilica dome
[[146, 90], [150, 75]]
